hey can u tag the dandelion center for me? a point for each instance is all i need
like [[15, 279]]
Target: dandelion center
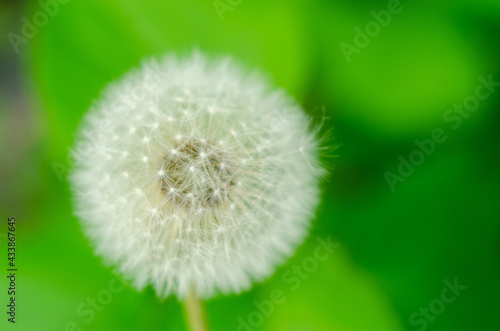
[[197, 174]]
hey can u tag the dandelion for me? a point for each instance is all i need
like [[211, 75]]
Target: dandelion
[[193, 177]]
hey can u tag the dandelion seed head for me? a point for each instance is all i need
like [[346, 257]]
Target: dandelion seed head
[[204, 192]]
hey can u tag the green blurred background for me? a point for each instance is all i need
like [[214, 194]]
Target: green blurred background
[[400, 243]]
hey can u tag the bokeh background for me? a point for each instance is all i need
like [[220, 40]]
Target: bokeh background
[[398, 246]]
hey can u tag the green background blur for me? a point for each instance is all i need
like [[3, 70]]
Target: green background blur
[[398, 246]]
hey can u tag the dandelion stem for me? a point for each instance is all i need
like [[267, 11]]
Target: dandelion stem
[[194, 312]]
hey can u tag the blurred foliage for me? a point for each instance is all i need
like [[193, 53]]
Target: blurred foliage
[[396, 248]]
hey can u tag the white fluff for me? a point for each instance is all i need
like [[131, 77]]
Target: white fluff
[[190, 174]]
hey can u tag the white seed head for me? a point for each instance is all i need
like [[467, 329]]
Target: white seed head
[[211, 184]]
